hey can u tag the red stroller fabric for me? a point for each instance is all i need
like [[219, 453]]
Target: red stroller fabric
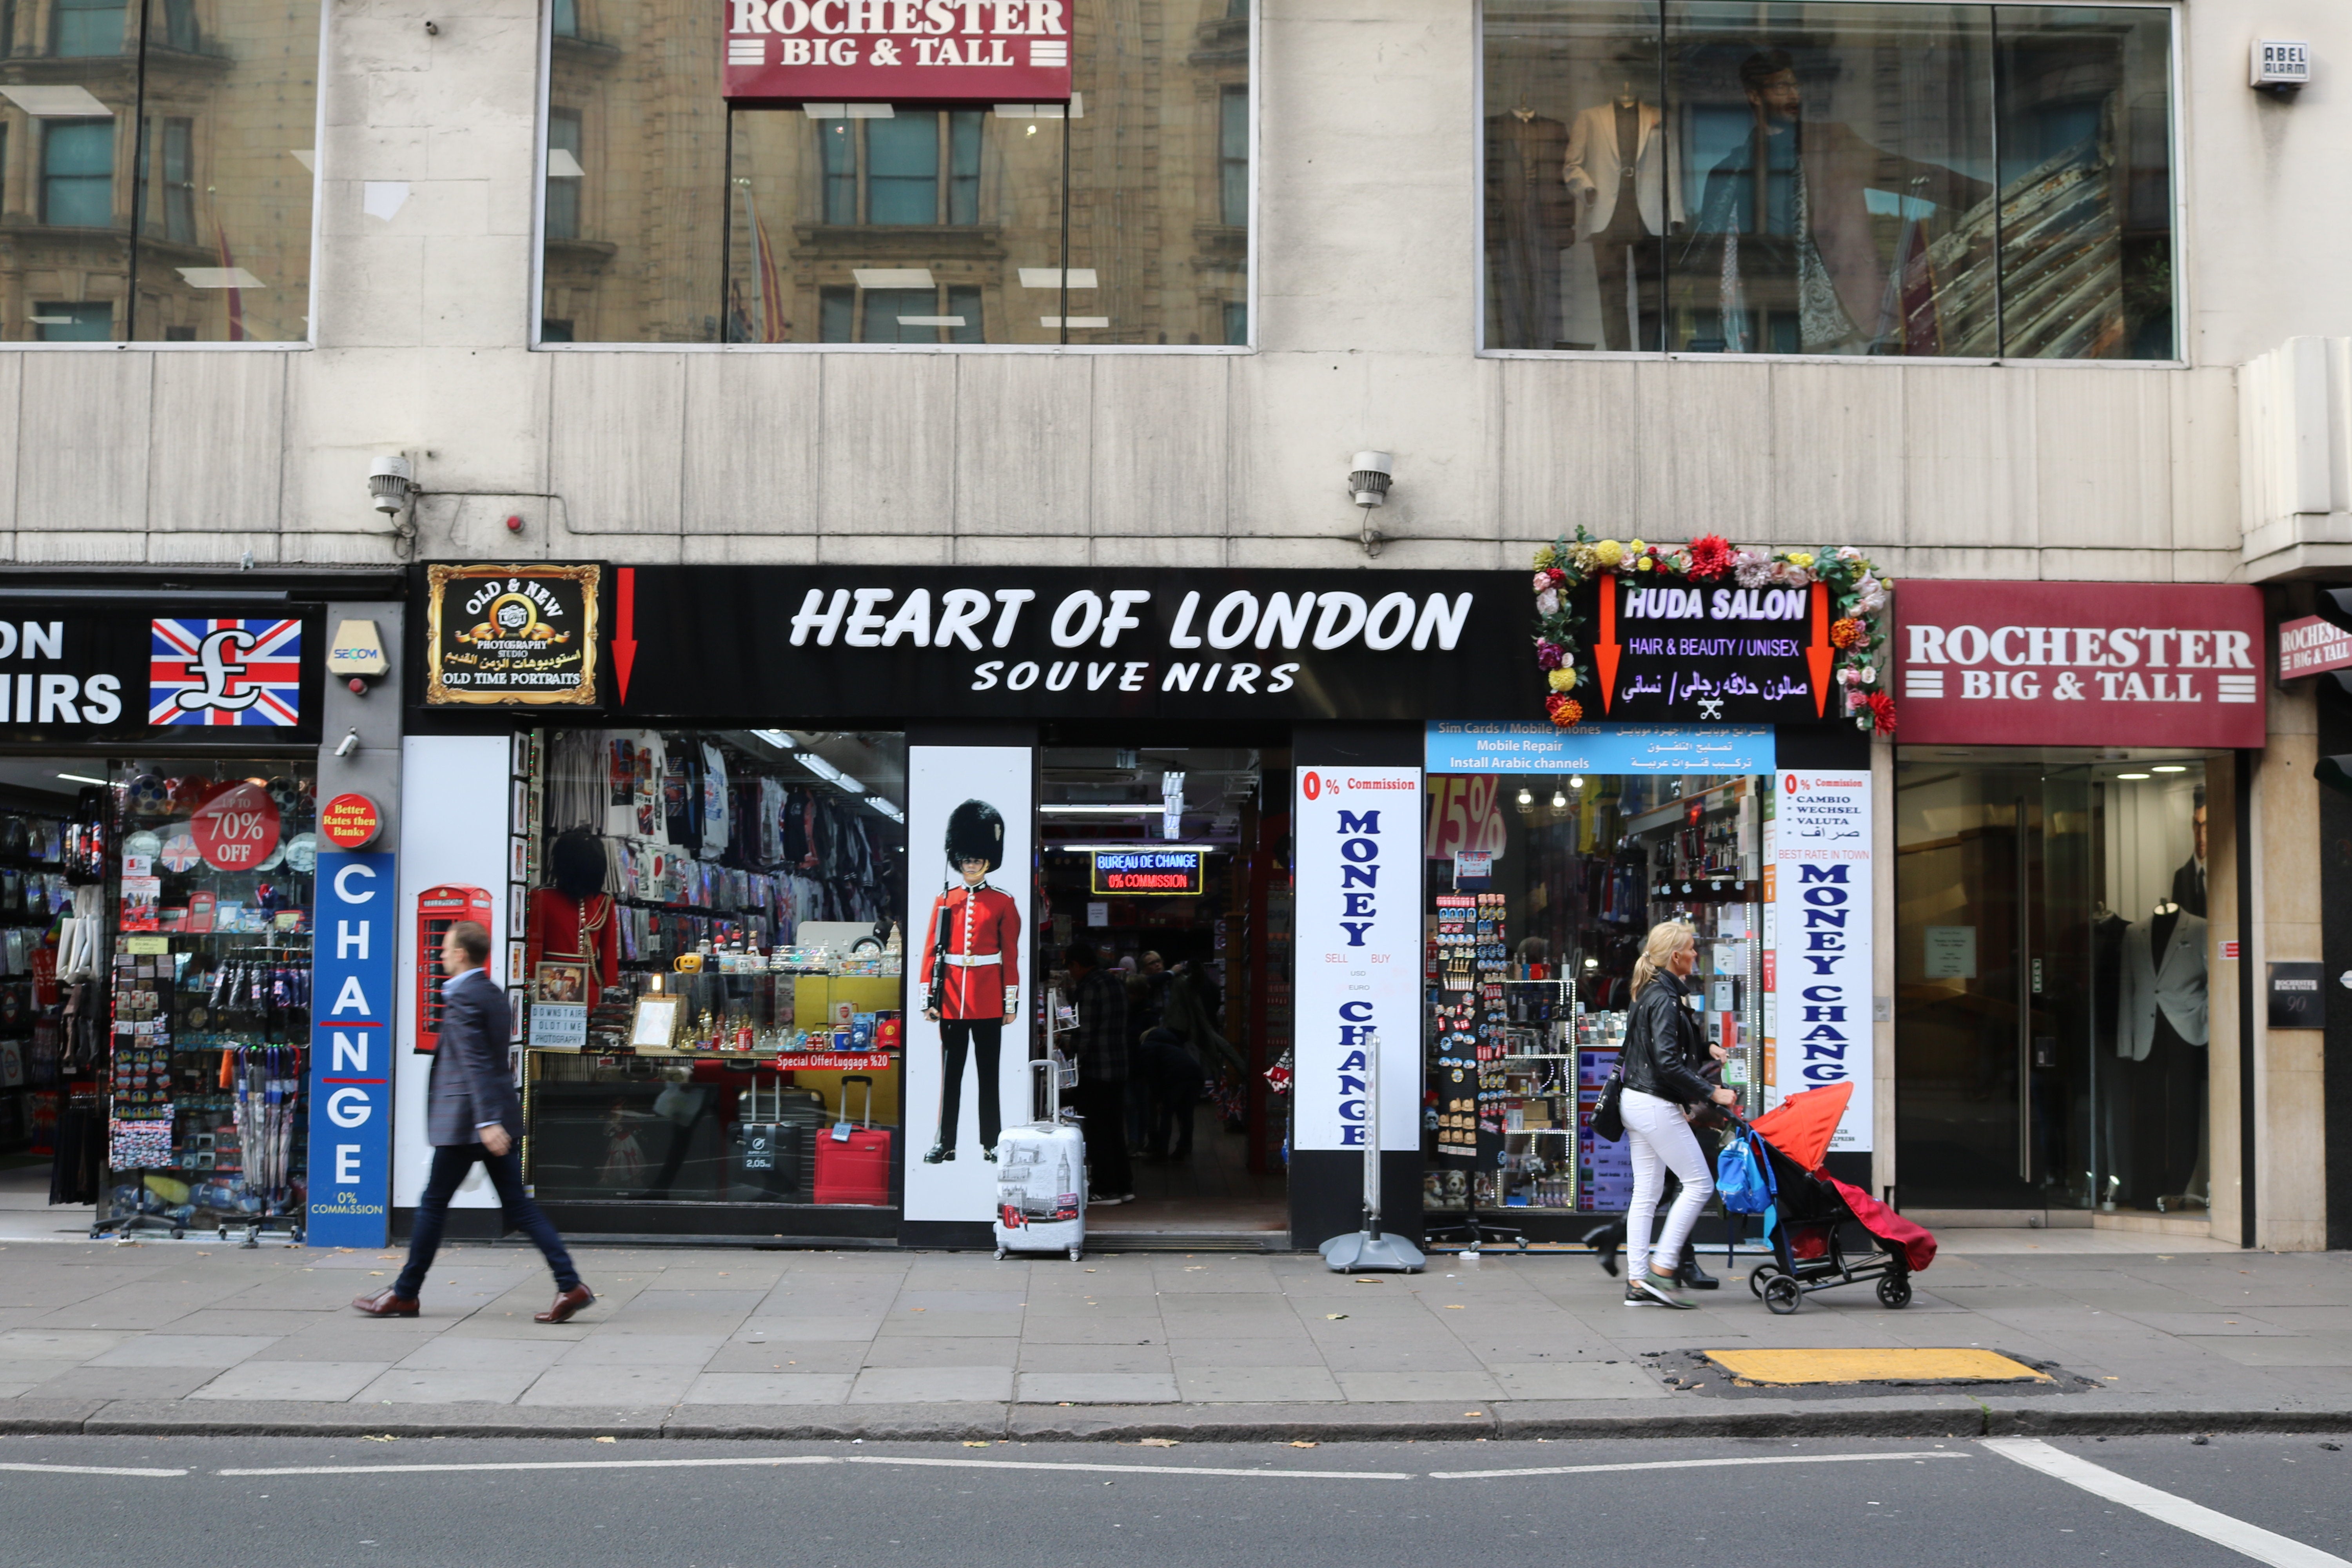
[[1890, 1228], [1801, 1125]]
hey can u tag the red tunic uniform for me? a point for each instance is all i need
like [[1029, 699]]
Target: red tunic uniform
[[983, 950]]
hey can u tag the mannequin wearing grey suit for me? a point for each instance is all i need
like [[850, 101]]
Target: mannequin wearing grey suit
[[2163, 1023]]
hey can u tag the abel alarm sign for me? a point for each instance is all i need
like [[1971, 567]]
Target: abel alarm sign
[[796, 51]]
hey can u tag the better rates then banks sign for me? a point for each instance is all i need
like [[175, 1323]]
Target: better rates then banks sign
[[350, 1052]]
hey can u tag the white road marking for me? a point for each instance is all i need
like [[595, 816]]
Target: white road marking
[[528, 1465], [1139, 1470], [90, 1470], [2246, 1540], [1696, 1464], [795, 1459]]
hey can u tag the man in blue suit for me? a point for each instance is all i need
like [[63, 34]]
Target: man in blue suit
[[473, 1113]]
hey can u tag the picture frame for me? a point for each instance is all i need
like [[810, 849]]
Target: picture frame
[[655, 1025], [555, 981]]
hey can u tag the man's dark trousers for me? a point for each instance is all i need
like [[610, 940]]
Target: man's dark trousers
[[520, 1213], [1102, 1107]]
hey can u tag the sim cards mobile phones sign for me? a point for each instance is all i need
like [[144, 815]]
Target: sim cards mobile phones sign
[[881, 51]]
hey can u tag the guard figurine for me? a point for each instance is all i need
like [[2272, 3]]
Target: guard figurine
[[972, 967]]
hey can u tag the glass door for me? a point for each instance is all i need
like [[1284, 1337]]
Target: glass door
[[2051, 952]]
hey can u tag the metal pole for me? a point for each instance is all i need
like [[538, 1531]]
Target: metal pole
[[1372, 1138]]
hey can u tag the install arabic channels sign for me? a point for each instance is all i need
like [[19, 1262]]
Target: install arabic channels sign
[[1693, 653], [2080, 664], [880, 51]]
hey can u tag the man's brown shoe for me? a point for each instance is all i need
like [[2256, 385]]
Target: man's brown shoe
[[566, 1303], [384, 1304]]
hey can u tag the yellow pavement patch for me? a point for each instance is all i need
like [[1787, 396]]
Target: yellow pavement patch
[[1793, 1366]]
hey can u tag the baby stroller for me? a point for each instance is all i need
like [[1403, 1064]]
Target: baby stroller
[[1773, 1168]]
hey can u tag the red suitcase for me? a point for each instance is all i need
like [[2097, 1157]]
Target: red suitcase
[[853, 1162]]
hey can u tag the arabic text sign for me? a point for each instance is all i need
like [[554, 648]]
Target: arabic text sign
[[1504, 747], [1707, 654], [2080, 664]]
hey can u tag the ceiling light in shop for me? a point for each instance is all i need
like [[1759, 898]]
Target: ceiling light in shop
[[2131, 775], [1137, 808], [1558, 799], [776, 738], [82, 778], [2169, 768], [1576, 781], [886, 808]]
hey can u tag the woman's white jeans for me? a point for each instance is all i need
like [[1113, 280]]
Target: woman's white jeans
[[1661, 1138]]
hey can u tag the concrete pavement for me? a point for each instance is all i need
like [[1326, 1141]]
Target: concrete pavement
[[196, 1337]]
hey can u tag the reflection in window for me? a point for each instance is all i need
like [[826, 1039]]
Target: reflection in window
[[564, 173], [90, 321], [1917, 179], [206, 236], [1137, 194], [86, 28], [563, 18], [77, 174]]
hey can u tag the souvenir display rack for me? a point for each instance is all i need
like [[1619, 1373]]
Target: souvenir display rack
[[209, 878]]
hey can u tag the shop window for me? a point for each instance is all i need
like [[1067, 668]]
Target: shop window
[[224, 250], [163, 1034], [1097, 224], [1541, 889], [713, 967], [77, 174], [1954, 181], [2053, 1026], [565, 173]]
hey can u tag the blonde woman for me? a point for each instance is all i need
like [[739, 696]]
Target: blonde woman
[[1661, 1091]]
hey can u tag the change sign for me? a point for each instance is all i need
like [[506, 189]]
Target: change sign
[[350, 1052]]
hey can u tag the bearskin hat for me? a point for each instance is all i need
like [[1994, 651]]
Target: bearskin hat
[[576, 863], [976, 832]]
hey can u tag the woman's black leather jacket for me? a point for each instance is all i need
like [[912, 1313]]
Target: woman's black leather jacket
[[1661, 1040]]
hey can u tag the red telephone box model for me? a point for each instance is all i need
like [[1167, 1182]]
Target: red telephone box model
[[439, 908]]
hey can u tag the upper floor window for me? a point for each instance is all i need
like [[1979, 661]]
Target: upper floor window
[[1120, 219], [168, 150], [1698, 176]]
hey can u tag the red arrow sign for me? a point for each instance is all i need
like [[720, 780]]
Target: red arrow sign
[[1820, 655], [1605, 650], [625, 628]]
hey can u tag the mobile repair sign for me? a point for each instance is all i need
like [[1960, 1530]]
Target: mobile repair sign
[[350, 1051], [1818, 902], [2079, 664], [986, 51], [1357, 867]]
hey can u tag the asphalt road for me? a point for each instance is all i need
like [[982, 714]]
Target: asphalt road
[[1820, 1503]]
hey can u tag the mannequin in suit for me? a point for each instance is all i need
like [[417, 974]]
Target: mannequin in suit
[[1528, 223], [2163, 1023], [1628, 187], [2188, 882]]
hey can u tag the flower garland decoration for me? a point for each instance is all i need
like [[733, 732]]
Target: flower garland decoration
[[1858, 598]]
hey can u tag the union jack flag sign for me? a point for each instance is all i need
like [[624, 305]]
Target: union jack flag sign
[[225, 672]]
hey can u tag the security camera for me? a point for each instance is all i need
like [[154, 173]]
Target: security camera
[[390, 484], [1368, 478]]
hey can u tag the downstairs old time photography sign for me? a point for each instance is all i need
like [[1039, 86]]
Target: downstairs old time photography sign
[[512, 636]]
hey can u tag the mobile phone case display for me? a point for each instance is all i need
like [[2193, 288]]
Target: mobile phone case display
[[1604, 1170], [34, 892], [210, 998]]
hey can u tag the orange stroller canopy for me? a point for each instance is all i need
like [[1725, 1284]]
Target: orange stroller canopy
[[1801, 1125]]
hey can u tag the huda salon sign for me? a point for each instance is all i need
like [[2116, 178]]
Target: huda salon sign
[[898, 51], [2080, 664], [1070, 642]]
